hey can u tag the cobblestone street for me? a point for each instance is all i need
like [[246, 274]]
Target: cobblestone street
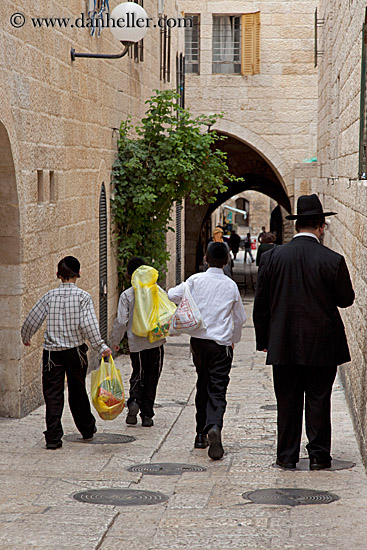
[[204, 509]]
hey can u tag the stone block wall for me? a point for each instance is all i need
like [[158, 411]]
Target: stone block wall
[[338, 151], [60, 119]]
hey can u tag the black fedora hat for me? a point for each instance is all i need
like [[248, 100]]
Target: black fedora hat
[[309, 205]]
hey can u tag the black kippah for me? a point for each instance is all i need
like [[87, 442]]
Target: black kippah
[[218, 251], [72, 263]]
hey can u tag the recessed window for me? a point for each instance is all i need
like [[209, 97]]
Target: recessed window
[[52, 187], [40, 187], [192, 45], [236, 44]]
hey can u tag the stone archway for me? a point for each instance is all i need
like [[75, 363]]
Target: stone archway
[[10, 283], [258, 173]]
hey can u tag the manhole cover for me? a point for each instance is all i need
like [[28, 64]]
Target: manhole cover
[[165, 468], [101, 438], [269, 407], [304, 465], [289, 497], [120, 497]]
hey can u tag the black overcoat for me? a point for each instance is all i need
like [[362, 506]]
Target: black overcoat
[[300, 286]]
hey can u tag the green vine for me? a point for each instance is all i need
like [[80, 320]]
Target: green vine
[[172, 157]]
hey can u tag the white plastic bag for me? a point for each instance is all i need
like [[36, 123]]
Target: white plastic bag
[[187, 317]]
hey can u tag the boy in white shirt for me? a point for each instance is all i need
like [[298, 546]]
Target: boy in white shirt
[[221, 308]]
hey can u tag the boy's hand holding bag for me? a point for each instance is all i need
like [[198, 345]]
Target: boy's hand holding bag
[[187, 317]]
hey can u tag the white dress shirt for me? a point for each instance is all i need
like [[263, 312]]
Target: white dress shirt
[[220, 305], [306, 234]]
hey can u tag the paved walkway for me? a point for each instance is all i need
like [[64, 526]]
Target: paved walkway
[[204, 510]]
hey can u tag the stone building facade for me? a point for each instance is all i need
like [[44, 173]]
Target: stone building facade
[[340, 181], [58, 141], [269, 108]]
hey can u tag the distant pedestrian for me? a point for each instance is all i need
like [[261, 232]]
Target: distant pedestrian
[[220, 305], [234, 243], [300, 286], [267, 243], [70, 321], [248, 248], [218, 238], [146, 357], [262, 234]]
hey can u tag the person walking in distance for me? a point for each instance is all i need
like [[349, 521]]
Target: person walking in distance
[[234, 243], [70, 321], [300, 286], [221, 308], [248, 248], [261, 235]]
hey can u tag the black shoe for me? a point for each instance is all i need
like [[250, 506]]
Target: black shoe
[[201, 441], [215, 450], [147, 422], [133, 411], [315, 465], [286, 465], [56, 445], [88, 437]]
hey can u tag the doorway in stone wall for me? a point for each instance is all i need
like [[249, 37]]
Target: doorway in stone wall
[[10, 283]]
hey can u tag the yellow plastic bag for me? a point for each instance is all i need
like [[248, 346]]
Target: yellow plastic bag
[[153, 310], [107, 390]]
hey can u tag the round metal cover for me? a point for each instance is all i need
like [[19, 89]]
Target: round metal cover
[[120, 497], [165, 468], [336, 464], [101, 438], [269, 407], [289, 497]]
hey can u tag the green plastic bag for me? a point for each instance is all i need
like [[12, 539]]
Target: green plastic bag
[[107, 391]]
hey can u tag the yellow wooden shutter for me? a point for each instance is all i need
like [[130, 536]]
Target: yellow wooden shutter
[[257, 42], [250, 43]]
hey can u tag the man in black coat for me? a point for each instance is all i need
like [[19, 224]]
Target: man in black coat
[[300, 286]]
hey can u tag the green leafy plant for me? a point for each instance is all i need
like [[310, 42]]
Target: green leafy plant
[[171, 157]]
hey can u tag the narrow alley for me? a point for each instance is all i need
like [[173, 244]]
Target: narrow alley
[[208, 509]]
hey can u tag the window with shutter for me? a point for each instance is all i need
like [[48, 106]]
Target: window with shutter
[[236, 44], [250, 60], [192, 45]]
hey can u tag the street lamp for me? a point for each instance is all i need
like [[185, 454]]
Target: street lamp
[[128, 23]]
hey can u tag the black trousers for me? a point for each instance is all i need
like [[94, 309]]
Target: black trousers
[[147, 367], [74, 363], [213, 364], [295, 385], [249, 252]]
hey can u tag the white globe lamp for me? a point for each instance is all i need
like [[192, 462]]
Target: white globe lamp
[[129, 22]]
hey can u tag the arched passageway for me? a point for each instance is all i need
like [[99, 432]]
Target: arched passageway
[[10, 283], [258, 175]]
